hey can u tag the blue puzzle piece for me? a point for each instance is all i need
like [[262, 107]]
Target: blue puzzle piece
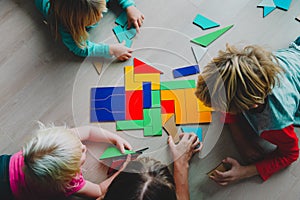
[[103, 115], [196, 130], [283, 4], [111, 103], [268, 10], [104, 92], [204, 22], [122, 19], [147, 102], [130, 33], [186, 71]]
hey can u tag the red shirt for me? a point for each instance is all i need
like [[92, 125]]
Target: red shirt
[[287, 149]]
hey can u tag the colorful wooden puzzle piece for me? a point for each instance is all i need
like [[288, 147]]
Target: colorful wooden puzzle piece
[[266, 3], [174, 85], [122, 19], [167, 106], [267, 10], [196, 130], [186, 71], [134, 105], [130, 84], [141, 67], [204, 22], [147, 98], [112, 152], [171, 129], [207, 39], [107, 104], [198, 52], [283, 4]]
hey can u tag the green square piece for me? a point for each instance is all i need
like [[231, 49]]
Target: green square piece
[[130, 125], [173, 85], [112, 152]]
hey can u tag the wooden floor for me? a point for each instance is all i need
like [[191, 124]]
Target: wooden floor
[[41, 81]]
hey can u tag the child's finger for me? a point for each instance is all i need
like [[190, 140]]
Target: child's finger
[[137, 27], [171, 142], [127, 146]]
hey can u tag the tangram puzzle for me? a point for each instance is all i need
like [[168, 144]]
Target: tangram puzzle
[[146, 102], [270, 5]]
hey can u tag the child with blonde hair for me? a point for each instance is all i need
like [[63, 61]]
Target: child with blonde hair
[[49, 165], [260, 93], [72, 19]]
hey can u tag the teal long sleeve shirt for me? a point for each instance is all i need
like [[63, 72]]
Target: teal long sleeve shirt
[[91, 48]]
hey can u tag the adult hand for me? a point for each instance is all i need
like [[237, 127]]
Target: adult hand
[[186, 147], [237, 172], [134, 17], [120, 51]]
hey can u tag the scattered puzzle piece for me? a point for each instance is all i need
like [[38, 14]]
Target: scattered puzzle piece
[[268, 10], [171, 129], [204, 22], [196, 130], [186, 71], [122, 19], [283, 4], [205, 40], [198, 52], [222, 167], [266, 3], [98, 67], [112, 152]]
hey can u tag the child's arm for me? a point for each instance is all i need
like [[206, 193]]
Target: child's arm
[[93, 190], [182, 153], [97, 134]]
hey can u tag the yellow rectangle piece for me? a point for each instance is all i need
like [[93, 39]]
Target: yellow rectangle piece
[[153, 78]]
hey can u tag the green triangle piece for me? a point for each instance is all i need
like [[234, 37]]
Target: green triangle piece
[[112, 152], [205, 40]]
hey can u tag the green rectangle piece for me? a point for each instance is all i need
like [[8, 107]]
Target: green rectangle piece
[[130, 125], [147, 117], [155, 95], [173, 85]]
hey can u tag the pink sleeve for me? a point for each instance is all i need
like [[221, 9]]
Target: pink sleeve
[[75, 185], [287, 151]]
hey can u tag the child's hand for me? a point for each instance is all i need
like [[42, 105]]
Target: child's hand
[[121, 143], [134, 17], [120, 51], [186, 147]]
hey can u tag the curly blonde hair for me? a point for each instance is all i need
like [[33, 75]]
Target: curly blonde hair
[[74, 16], [236, 80], [52, 158]]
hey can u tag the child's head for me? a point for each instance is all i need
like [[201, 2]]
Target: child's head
[[52, 157], [237, 80], [143, 179], [75, 15]]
